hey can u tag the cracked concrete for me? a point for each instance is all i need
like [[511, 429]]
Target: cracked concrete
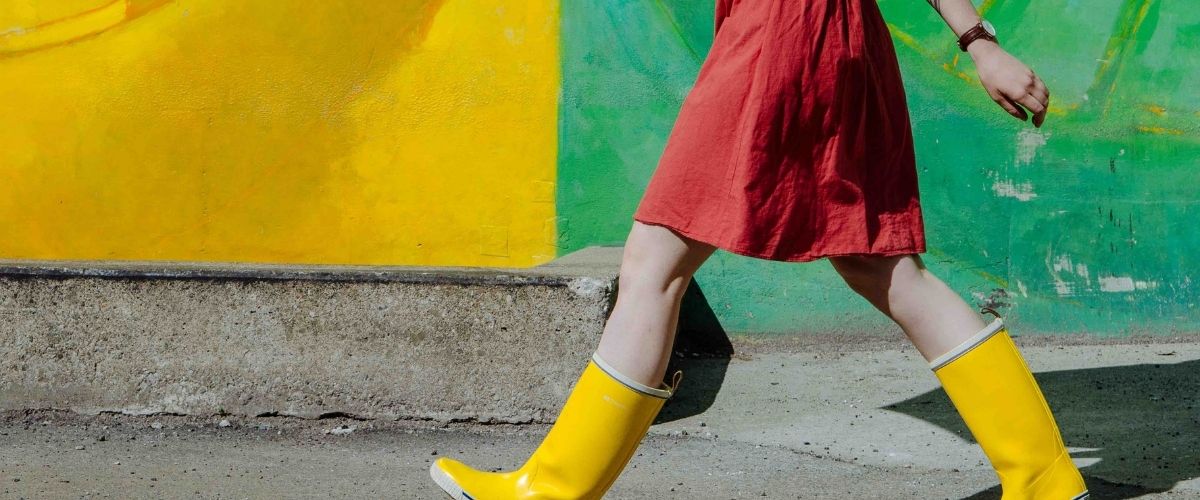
[[194, 338], [774, 420]]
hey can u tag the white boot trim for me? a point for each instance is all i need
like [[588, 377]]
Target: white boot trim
[[967, 345], [447, 483], [629, 382]]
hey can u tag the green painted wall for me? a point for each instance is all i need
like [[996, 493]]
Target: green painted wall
[[1084, 225]]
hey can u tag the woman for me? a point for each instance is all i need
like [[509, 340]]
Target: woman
[[794, 145]]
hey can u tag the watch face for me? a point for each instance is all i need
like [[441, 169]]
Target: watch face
[[987, 26]]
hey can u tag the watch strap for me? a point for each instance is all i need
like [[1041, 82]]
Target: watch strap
[[976, 32]]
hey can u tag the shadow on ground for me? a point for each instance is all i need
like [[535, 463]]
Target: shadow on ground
[[1141, 421], [702, 350]]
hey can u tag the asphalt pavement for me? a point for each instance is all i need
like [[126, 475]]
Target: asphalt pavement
[[774, 420]]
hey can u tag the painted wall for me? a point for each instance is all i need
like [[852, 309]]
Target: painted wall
[[400, 132], [505, 133], [1085, 225]]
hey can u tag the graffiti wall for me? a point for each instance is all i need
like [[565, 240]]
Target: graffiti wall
[[400, 132], [505, 133], [1084, 225]]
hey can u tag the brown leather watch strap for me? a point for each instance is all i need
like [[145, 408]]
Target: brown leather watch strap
[[976, 32]]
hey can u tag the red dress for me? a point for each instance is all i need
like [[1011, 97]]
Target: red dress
[[794, 143]]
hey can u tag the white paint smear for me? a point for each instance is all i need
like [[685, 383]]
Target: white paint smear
[[1082, 271], [1060, 265], [1028, 143], [1124, 284], [1062, 262], [1023, 191], [1116, 284]]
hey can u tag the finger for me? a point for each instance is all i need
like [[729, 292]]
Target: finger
[[1035, 106], [1011, 107], [1041, 86], [1008, 106], [1040, 94], [1044, 99]]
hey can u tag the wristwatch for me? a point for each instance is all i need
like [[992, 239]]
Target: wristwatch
[[982, 30]]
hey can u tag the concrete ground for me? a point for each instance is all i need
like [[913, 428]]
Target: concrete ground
[[780, 419]]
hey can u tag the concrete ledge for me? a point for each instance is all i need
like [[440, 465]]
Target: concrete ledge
[[441, 343]]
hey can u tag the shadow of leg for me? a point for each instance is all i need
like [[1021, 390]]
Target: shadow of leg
[[702, 350], [1136, 418]]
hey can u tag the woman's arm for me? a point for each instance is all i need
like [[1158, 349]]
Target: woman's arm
[[1007, 80]]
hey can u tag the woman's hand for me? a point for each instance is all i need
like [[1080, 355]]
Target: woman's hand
[[1009, 81]]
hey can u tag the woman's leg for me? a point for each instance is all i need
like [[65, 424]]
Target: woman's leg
[[932, 315], [615, 399], [656, 268], [980, 369]]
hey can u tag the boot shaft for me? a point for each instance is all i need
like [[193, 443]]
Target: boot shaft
[[997, 396]]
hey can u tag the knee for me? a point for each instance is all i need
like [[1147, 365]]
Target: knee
[[867, 275], [643, 279], [641, 275]]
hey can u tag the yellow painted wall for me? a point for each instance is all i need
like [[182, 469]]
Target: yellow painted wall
[[365, 132]]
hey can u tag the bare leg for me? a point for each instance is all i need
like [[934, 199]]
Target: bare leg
[[934, 317], [605, 416], [989, 382], [656, 268]]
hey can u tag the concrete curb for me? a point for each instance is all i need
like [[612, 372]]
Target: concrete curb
[[438, 343]]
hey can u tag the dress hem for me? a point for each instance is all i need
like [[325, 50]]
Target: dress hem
[[804, 257]]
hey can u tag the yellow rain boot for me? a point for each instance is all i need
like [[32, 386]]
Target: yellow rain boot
[[998, 398], [596, 433]]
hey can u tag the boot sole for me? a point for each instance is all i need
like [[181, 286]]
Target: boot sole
[[447, 483], [451, 488]]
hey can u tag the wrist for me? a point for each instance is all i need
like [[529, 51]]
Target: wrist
[[982, 30], [982, 47]]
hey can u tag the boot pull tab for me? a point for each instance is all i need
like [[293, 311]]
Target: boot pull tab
[[675, 379], [989, 310]]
